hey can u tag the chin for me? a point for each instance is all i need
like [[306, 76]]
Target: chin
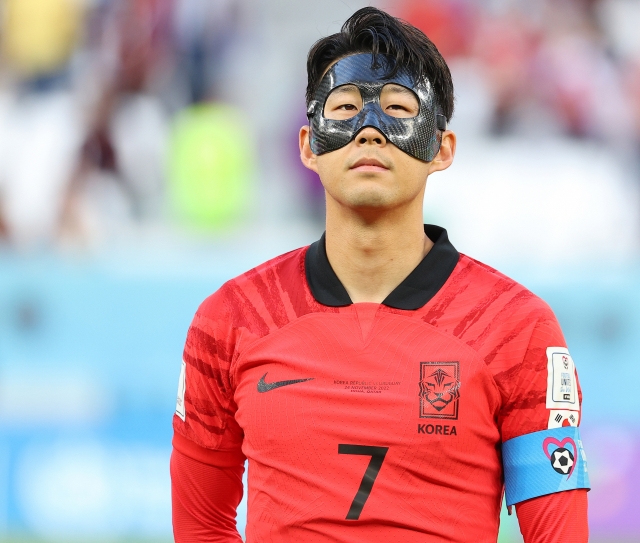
[[370, 199]]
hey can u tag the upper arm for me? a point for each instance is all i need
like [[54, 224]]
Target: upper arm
[[542, 449], [539, 386], [207, 461], [207, 417]]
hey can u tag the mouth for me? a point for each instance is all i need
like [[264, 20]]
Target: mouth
[[369, 165], [439, 404]]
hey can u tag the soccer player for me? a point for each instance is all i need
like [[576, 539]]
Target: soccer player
[[383, 386]]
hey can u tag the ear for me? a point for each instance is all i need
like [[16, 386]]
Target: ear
[[445, 155], [306, 155]]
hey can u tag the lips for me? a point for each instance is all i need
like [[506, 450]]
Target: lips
[[369, 164]]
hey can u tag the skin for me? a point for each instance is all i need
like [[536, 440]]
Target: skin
[[374, 228]]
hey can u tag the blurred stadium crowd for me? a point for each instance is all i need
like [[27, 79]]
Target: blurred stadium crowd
[[570, 67], [92, 97], [121, 113], [167, 129]]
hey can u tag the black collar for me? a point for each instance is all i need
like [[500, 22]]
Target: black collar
[[416, 290]]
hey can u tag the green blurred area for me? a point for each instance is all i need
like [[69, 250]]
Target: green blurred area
[[210, 166], [509, 529]]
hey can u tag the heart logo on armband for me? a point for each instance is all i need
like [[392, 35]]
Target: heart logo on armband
[[563, 460]]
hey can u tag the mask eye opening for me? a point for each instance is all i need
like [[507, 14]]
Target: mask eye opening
[[344, 99], [399, 101]]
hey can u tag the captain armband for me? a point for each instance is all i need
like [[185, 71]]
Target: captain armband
[[543, 463]]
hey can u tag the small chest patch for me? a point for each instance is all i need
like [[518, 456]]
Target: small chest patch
[[182, 385], [562, 389]]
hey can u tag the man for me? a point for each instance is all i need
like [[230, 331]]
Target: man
[[382, 385]]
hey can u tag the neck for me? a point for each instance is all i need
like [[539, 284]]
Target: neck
[[372, 252]]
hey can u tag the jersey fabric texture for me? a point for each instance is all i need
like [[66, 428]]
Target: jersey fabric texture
[[205, 498], [365, 421]]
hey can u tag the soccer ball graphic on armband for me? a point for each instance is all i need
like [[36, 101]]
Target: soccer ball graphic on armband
[[562, 460]]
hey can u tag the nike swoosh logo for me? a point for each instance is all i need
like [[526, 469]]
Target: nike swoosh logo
[[263, 386]]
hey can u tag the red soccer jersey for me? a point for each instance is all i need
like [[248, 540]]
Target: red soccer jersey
[[365, 421]]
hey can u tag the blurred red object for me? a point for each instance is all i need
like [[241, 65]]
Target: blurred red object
[[143, 29], [632, 86], [505, 47], [450, 25]]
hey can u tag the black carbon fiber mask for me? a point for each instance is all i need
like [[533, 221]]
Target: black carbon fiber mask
[[418, 136]]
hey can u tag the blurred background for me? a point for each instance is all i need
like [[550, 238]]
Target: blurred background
[[148, 153]]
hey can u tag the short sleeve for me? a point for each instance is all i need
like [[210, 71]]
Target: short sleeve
[[542, 448], [205, 409]]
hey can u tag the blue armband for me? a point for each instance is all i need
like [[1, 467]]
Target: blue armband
[[544, 463]]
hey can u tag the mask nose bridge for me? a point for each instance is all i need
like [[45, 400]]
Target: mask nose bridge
[[371, 116]]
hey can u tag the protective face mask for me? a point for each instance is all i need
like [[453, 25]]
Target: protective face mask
[[418, 136]]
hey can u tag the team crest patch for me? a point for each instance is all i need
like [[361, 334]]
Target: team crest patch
[[439, 390]]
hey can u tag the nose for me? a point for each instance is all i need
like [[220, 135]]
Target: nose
[[370, 135]]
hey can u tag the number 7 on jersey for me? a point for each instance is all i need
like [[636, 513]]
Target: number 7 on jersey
[[377, 457]]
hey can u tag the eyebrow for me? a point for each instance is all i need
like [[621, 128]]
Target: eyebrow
[[398, 88], [345, 89]]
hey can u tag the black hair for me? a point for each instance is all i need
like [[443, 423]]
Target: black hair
[[371, 30]]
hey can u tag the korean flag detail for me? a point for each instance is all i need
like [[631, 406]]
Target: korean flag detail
[[544, 463], [562, 387], [563, 417]]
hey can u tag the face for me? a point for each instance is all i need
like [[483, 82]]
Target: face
[[369, 171]]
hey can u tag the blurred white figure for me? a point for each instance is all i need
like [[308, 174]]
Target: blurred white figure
[[39, 123], [40, 135], [118, 183], [140, 130], [565, 201]]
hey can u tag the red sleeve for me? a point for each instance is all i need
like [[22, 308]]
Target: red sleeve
[[527, 407], [555, 518], [207, 414], [207, 461], [204, 500], [561, 516]]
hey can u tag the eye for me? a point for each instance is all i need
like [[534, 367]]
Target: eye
[[448, 384], [343, 103], [398, 101], [431, 385]]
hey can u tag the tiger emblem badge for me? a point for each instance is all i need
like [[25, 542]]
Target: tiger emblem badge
[[439, 390]]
